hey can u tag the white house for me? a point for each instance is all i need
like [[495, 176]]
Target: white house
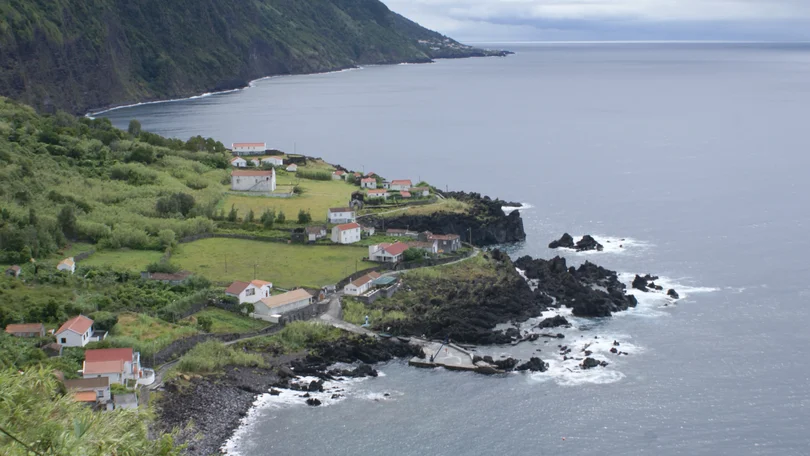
[[430, 246], [281, 304], [315, 232], [99, 386], [248, 148], [275, 161], [340, 215], [347, 233], [401, 185], [339, 174], [387, 253], [378, 193], [256, 162], [78, 332], [253, 180], [238, 162], [67, 265], [360, 285], [368, 182], [117, 364], [293, 168], [420, 191], [249, 291]]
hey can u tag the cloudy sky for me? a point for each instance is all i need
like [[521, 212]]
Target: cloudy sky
[[493, 20]]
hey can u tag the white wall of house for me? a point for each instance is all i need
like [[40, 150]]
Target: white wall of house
[[249, 148], [69, 338], [115, 377], [65, 267], [356, 291], [254, 183], [383, 195], [371, 184], [376, 253], [345, 236], [278, 161], [261, 309], [341, 217], [239, 162], [400, 187], [252, 294]]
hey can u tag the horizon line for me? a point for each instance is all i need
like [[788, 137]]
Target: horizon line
[[637, 42]]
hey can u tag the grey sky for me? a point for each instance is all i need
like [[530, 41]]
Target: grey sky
[[481, 20]]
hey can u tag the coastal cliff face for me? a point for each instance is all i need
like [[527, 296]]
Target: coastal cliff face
[[77, 55], [485, 223]]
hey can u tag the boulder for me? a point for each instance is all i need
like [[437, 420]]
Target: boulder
[[507, 364], [313, 402], [588, 243], [315, 385], [553, 322], [566, 241], [589, 363], [673, 294], [639, 283], [534, 364], [274, 392]]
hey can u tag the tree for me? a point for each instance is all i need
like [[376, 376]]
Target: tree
[[67, 221], [103, 320], [281, 218], [304, 216], [167, 238], [205, 323], [134, 127], [176, 203], [142, 154], [413, 254], [233, 214], [249, 217], [268, 218]]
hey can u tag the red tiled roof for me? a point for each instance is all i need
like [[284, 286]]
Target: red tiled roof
[[347, 226], [396, 248], [340, 172], [362, 280], [341, 209], [377, 191], [401, 182], [79, 325], [367, 179], [24, 328], [84, 396], [15, 268], [101, 355], [443, 237], [237, 287], [103, 367], [260, 283], [235, 145], [248, 172], [405, 194]]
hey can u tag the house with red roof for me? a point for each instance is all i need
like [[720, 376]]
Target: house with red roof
[[387, 253], [347, 233], [248, 148], [116, 364], [26, 330], [368, 182], [13, 271], [249, 291], [96, 389], [404, 194], [67, 265], [378, 193], [250, 180], [401, 185], [361, 284], [78, 332], [339, 174], [238, 162]]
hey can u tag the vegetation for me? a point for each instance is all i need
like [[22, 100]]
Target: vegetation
[[143, 333], [44, 420], [157, 50], [294, 337], [224, 322], [211, 356], [317, 198], [380, 315]]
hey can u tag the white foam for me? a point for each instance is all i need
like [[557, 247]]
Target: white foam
[[611, 244], [509, 209]]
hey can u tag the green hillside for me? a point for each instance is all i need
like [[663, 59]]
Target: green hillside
[[77, 55]]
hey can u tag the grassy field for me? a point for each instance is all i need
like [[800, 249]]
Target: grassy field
[[318, 196], [146, 334], [446, 205], [286, 265], [228, 322], [134, 260], [355, 312]]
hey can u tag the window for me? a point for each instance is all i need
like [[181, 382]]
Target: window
[[63, 340], [99, 394], [250, 292]]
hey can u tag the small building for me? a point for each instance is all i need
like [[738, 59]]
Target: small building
[[340, 215], [339, 174], [171, 278], [293, 168], [67, 265], [315, 232], [126, 401], [26, 330], [401, 185], [361, 284], [14, 271], [398, 232], [52, 350], [387, 253], [386, 185], [446, 242], [117, 364], [281, 304], [249, 291], [368, 230], [378, 193], [368, 182], [431, 247], [256, 162], [274, 160], [238, 162], [99, 386], [420, 191], [78, 332], [347, 233], [248, 148], [253, 180], [405, 194]]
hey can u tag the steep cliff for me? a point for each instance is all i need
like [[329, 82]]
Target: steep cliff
[[82, 54]]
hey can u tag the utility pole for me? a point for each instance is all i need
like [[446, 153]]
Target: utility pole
[[254, 270]]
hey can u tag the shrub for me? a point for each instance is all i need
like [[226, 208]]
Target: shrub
[[268, 218], [103, 320], [211, 356], [205, 323], [281, 218], [163, 266], [176, 203], [314, 175], [304, 216]]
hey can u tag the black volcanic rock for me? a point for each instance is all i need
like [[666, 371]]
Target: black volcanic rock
[[590, 290], [673, 294], [313, 402], [589, 363], [533, 364], [639, 283], [588, 243], [566, 241], [553, 322]]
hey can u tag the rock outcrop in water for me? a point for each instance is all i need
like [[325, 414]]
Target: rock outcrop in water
[[485, 222], [590, 290], [567, 242]]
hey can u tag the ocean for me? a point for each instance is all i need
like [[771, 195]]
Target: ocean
[[694, 157]]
